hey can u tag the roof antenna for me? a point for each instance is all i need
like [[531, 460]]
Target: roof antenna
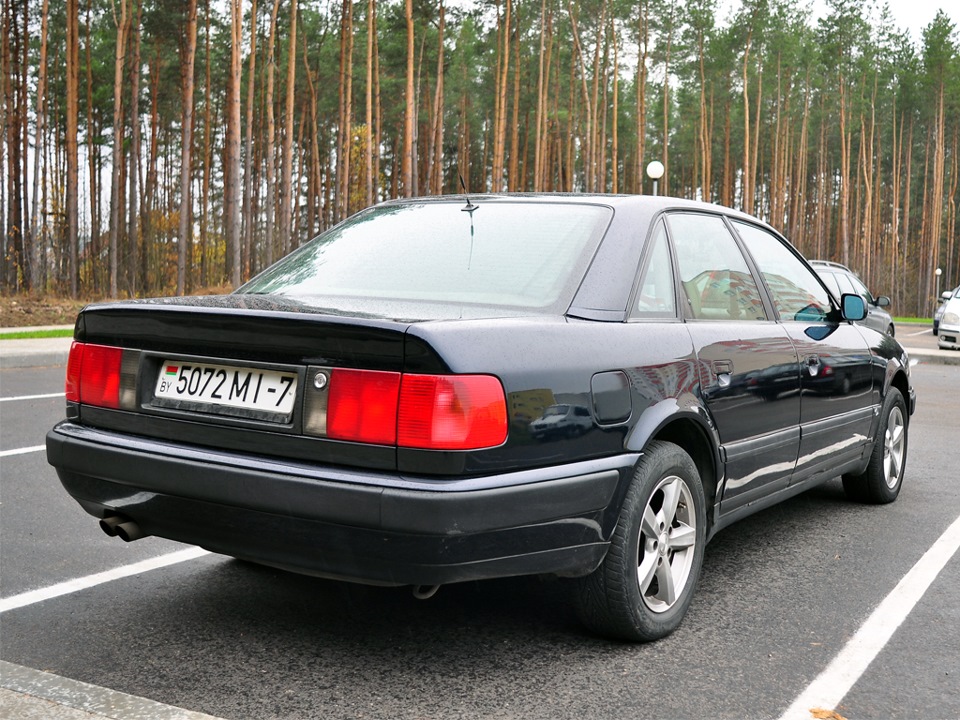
[[468, 209], [470, 206]]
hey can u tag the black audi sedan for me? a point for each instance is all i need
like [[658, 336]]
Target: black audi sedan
[[376, 407]]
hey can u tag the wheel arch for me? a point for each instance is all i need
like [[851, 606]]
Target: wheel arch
[[692, 437], [689, 428], [901, 383]]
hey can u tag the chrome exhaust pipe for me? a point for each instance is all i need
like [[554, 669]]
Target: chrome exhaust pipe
[[121, 527], [109, 524], [129, 531], [425, 592]]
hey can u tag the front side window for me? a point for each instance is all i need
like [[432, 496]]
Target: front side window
[[846, 285], [716, 280], [796, 292], [861, 290]]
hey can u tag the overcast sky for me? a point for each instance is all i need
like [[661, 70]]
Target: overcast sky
[[914, 15]]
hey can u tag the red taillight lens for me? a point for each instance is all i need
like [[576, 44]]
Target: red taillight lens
[[363, 406], [451, 412], [74, 365], [93, 375]]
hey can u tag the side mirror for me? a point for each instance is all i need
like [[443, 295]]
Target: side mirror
[[882, 301], [853, 307], [944, 296]]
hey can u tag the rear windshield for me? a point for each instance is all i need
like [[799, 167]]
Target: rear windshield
[[525, 255]]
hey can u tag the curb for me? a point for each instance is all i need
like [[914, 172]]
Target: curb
[[39, 352], [28, 693]]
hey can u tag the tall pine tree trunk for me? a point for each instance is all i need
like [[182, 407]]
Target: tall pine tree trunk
[[368, 107], [38, 144], [232, 169], [270, 158], [185, 233], [72, 198], [133, 179], [286, 175], [249, 219], [407, 160], [116, 156]]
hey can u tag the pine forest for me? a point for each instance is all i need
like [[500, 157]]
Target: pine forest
[[154, 147]]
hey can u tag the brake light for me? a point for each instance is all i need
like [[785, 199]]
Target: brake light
[[451, 412], [428, 412], [362, 406], [93, 375]]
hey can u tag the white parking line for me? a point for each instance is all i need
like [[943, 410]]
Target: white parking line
[[829, 688], [920, 332], [22, 451], [32, 397], [76, 585]]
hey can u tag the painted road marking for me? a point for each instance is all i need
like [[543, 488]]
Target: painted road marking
[[22, 451], [83, 583], [831, 686], [32, 397]]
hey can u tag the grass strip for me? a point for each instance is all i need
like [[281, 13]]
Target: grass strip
[[32, 334]]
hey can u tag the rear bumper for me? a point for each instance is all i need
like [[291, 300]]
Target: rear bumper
[[363, 526]]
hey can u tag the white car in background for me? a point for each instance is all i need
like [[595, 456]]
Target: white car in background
[[948, 330], [938, 313]]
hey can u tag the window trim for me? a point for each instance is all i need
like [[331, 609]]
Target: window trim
[[632, 314]]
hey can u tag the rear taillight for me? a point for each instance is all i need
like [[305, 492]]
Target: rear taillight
[[101, 375], [431, 412], [74, 365], [362, 406], [451, 412]]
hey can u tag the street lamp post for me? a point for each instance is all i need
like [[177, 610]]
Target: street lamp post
[[655, 172], [938, 272]]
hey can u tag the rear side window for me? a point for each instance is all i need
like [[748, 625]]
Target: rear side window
[[861, 290], [796, 292], [716, 280], [515, 254], [656, 297]]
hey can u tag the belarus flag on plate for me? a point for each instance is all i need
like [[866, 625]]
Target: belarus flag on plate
[[172, 369]]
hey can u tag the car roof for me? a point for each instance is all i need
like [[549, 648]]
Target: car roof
[[653, 203], [605, 286], [829, 264]]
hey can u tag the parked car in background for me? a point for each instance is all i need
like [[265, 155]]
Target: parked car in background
[[938, 313], [562, 421], [841, 279], [367, 408], [948, 330]]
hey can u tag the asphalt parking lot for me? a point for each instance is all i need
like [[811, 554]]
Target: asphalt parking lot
[[817, 604]]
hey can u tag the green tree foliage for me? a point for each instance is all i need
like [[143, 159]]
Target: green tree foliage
[[841, 130]]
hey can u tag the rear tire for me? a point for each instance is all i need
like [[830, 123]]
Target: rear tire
[[881, 481], [643, 587]]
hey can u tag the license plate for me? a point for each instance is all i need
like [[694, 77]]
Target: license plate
[[223, 389]]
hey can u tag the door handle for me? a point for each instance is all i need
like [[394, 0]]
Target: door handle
[[813, 364]]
